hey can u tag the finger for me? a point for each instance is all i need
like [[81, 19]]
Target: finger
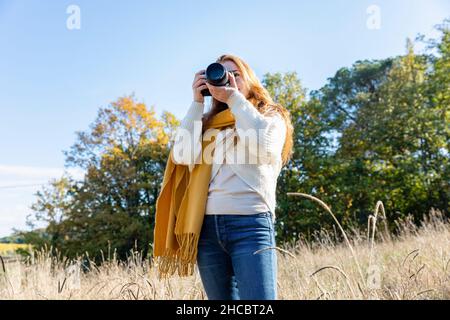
[[202, 87], [212, 89], [232, 80], [199, 82], [200, 72], [198, 77]]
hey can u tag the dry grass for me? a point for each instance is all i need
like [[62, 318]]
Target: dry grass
[[368, 265]]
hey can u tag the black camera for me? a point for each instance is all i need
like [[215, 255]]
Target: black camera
[[216, 75]]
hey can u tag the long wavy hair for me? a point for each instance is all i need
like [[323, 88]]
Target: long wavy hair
[[260, 99]]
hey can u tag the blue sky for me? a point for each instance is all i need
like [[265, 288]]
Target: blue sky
[[53, 80]]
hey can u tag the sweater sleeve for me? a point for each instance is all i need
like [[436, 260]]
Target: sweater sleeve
[[187, 145], [270, 130]]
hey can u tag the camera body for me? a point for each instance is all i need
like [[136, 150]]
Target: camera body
[[216, 75]]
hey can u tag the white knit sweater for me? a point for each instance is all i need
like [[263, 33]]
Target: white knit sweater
[[269, 134], [229, 194]]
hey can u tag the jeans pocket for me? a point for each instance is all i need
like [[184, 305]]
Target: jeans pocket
[[267, 215], [264, 219], [263, 214]]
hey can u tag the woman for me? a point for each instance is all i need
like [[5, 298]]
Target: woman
[[236, 198]]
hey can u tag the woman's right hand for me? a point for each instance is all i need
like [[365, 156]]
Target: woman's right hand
[[198, 85]]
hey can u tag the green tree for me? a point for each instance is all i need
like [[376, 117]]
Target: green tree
[[312, 147], [123, 156]]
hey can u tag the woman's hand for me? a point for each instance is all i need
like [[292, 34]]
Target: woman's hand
[[223, 93], [198, 85]]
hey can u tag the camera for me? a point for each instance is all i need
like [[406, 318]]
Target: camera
[[216, 75]]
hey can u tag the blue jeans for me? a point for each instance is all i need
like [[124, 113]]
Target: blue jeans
[[228, 267]]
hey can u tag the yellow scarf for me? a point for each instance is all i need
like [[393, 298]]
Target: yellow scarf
[[180, 209]]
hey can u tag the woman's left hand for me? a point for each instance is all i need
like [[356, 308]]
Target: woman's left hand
[[223, 93]]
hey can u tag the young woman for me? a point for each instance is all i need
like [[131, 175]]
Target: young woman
[[237, 231]]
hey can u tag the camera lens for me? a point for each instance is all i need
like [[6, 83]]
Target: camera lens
[[217, 75]]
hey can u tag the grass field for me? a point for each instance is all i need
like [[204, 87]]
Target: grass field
[[415, 264]]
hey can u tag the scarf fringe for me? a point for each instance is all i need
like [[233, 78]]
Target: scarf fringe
[[182, 260]]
